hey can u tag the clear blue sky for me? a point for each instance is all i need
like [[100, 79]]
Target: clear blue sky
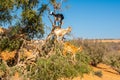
[[93, 18]]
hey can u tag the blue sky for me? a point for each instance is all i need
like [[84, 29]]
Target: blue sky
[[93, 18]]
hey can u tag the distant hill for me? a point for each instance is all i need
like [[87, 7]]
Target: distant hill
[[105, 40]]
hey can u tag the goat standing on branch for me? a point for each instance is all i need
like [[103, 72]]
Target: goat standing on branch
[[60, 33], [57, 18], [2, 32]]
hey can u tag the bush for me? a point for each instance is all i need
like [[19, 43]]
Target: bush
[[113, 59], [57, 66], [98, 73], [7, 44], [95, 50], [3, 70]]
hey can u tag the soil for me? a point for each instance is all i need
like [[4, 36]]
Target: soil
[[107, 74]]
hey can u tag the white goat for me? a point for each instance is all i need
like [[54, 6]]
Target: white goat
[[2, 30], [60, 33]]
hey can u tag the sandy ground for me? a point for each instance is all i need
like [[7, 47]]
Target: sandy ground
[[107, 74]]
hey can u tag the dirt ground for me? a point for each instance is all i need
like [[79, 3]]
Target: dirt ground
[[107, 74]]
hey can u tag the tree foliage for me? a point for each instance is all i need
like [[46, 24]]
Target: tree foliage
[[6, 6], [29, 18]]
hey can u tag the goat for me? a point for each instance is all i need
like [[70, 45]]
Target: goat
[[60, 33], [69, 48], [57, 18], [2, 30]]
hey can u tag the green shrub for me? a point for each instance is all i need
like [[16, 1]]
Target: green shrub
[[113, 59], [96, 51], [7, 44], [3, 70], [58, 66], [2, 67]]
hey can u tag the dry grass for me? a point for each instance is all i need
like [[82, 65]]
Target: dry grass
[[16, 76], [115, 41], [106, 40]]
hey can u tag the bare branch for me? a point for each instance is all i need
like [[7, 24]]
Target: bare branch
[[50, 20]]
